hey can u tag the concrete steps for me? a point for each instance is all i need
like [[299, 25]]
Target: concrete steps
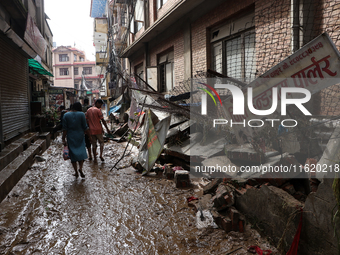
[[17, 157]]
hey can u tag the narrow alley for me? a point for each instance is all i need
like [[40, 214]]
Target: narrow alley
[[120, 212]]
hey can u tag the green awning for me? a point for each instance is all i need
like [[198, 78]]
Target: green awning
[[36, 67]]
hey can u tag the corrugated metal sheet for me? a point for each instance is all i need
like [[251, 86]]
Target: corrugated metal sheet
[[14, 91]]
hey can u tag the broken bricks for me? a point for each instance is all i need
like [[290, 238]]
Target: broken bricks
[[224, 197], [182, 179]]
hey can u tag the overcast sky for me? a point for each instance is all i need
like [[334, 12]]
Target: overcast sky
[[71, 24]]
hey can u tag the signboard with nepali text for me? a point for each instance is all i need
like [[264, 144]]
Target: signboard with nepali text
[[271, 117], [310, 69]]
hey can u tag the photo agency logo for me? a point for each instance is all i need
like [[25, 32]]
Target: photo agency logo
[[238, 101], [285, 101], [291, 83]]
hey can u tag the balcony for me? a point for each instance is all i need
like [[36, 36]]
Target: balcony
[[102, 58]]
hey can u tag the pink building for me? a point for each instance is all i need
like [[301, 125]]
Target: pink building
[[68, 66]]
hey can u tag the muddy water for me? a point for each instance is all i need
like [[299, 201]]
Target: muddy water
[[51, 212]]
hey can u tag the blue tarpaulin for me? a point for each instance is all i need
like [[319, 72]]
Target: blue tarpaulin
[[115, 108]]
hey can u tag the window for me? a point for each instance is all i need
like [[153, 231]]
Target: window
[[76, 71], [76, 85], [87, 70], [166, 72], [240, 57], [139, 15], [160, 3], [63, 71], [63, 58], [75, 57], [138, 26], [81, 59], [233, 49]]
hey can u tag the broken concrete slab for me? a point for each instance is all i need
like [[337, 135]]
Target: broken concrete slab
[[317, 236], [224, 197], [273, 210], [185, 125], [244, 153], [192, 149], [212, 186]]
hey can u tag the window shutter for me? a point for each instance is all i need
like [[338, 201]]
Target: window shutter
[[152, 76]]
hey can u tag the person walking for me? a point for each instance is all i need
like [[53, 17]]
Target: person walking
[[87, 138], [74, 127], [94, 119]]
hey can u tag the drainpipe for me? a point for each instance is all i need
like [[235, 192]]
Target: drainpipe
[[295, 25]]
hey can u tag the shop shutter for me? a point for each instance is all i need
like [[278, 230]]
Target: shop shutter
[[13, 91]]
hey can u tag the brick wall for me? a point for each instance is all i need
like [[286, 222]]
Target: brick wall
[[273, 33], [136, 62], [177, 42], [328, 13], [166, 7], [139, 33], [200, 28], [155, 14]]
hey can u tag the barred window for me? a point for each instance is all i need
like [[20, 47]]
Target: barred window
[[235, 56], [87, 70], [233, 49], [63, 58], [63, 71]]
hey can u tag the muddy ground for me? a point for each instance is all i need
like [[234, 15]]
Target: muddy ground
[[109, 212]]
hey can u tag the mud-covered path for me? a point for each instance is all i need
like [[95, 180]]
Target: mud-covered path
[[120, 212]]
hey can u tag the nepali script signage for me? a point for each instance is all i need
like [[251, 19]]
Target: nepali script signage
[[312, 68]]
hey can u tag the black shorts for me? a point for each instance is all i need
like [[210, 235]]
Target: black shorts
[[87, 141]]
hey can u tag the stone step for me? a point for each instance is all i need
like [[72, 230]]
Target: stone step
[[12, 150], [13, 172]]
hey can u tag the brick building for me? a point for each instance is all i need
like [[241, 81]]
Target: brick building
[[167, 42], [170, 41]]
